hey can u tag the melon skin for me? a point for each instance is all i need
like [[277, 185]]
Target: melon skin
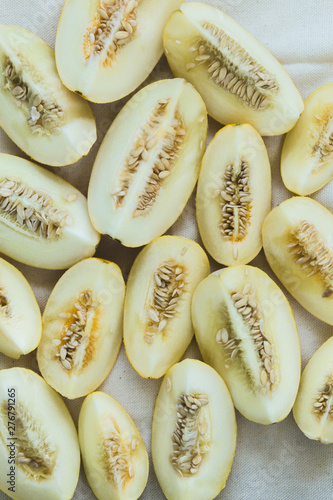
[[152, 351], [138, 215], [77, 239], [241, 147], [86, 305], [307, 153], [72, 135], [20, 318], [218, 425], [307, 282], [46, 432], [315, 419], [215, 312], [102, 418], [103, 77], [185, 33]]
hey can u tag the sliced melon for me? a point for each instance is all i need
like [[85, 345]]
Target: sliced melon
[[307, 154], [234, 194], [239, 80], [39, 114], [105, 49], [82, 328], [39, 448], [246, 330], [298, 244], [20, 319], [44, 220], [114, 456], [150, 156], [313, 409], [194, 432], [157, 315]]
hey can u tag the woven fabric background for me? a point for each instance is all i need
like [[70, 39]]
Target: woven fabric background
[[274, 462]]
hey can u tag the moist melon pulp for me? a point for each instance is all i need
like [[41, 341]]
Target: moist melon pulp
[[307, 154], [45, 454], [239, 80], [246, 330], [157, 314], [298, 244], [105, 49], [82, 328], [44, 220], [20, 319], [194, 432], [313, 409], [45, 120], [114, 456], [234, 194], [148, 163]]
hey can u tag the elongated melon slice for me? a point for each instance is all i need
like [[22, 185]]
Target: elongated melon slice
[[105, 49], [39, 114], [44, 220], [307, 154], [246, 330], [148, 163], [20, 319], [157, 315], [313, 409], [82, 327], [39, 448], [239, 80], [234, 194], [298, 244], [194, 432], [114, 456]]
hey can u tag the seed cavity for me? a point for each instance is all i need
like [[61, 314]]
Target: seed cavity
[[116, 452], [323, 147], [114, 27], [235, 201], [324, 401], [312, 254], [43, 115], [158, 146], [138, 151], [168, 290], [235, 347], [74, 350], [4, 303], [191, 438], [35, 454], [165, 155], [31, 210], [232, 68]]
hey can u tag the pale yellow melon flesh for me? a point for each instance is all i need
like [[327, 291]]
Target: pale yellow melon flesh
[[114, 456], [49, 123], [148, 163], [105, 49], [45, 454], [313, 409], [234, 194], [297, 240], [246, 331], [157, 314], [193, 464], [82, 327], [44, 220], [307, 154], [239, 80], [20, 318]]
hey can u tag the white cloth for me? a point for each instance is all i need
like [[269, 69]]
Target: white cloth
[[274, 462]]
